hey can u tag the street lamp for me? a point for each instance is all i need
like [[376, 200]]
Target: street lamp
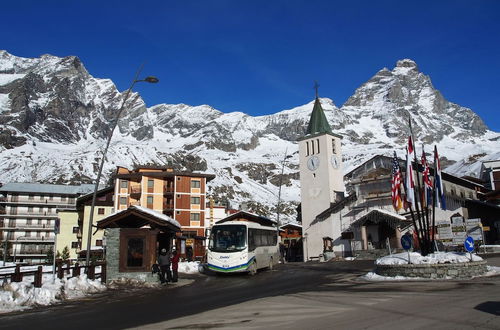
[[278, 207], [150, 79]]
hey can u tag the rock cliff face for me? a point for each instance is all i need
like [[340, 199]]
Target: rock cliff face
[[54, 117]]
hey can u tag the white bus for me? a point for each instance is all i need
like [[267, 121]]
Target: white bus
[[242, 246]]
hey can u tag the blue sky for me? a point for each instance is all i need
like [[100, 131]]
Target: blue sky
[[262, 56]]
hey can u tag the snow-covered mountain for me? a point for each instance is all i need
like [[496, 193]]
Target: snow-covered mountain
[[54, 116]]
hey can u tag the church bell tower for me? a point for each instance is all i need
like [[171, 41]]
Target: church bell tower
[[321, 179]]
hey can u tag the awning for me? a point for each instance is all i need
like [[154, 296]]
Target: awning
[[377, 216]]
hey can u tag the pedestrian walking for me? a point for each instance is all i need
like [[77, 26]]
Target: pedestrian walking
[[175, 265], [164, 263]]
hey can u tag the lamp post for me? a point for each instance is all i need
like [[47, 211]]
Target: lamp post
[[278, 207], [149, 79]]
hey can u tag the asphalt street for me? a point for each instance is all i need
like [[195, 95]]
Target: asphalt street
[[292, 296]]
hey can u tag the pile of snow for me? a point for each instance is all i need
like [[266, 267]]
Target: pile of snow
[[431, 259], [23, 295], [188, 267], [372, 276]]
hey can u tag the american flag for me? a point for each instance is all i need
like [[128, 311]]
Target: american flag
[[427, 198], [396, 184]]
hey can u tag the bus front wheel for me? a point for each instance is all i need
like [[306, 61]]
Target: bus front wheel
[[252, 270]]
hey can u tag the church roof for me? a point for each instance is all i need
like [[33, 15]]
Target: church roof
[[318, 122]]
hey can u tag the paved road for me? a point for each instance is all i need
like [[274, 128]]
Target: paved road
[[293, 296]]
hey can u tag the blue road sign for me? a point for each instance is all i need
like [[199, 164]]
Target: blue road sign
[[406, 241], [469, 244]]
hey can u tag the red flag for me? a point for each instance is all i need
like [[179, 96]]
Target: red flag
[[427, 193]]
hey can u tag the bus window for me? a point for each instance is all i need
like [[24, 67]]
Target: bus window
[[227, 238]]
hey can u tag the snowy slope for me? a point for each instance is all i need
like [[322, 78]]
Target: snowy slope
[[54, 116]]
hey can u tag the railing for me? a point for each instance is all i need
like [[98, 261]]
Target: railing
[[32, 251], [42, 238], [135, 190], [68, 202], [16, 274], [168, 189]]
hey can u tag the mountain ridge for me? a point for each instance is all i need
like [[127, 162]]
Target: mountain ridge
[[52, 106]]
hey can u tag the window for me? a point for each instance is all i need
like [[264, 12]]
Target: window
[[42, 197], [317, 140], [74, 245], [27, 234], [123, 184], [123, 200], [71, 200], [29, 222], [150, 200], [135, 252], [63, 198], [260, 237], [100, 210], [40, 210], [312, 146], [307, 148], [75, 230], [195, 217], [151, 183], [30, 209], [98, 242], [195, 200], [31, 197], [195, 184], [333, 146], [51, 197]]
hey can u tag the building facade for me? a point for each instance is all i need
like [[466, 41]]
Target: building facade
[[179, 195], [30, 216], [321, 180]]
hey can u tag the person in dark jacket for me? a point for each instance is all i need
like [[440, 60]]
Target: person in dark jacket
[[175, 264], [164, 263]]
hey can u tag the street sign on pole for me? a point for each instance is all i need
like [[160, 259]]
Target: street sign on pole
[[406, 243], [469, 245]]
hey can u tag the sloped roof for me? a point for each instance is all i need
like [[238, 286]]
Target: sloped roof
[[376, 216], [250, 217], [137, 217], [318, 122], [42, 188]]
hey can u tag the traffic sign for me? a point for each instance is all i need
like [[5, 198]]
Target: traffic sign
[[406, 242], [469, 244]]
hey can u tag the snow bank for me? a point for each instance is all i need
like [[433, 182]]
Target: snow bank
[[431, 259], [188, 267], [23, 295]]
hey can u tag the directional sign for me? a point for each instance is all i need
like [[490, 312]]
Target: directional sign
[[406, 241], [469, 244]]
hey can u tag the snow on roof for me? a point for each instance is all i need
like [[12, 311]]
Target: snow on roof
[[47, 188], [291, 224], [386, 212], [154, 213]]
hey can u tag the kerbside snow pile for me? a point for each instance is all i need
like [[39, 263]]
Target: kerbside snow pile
[[431, 259], [188, 267], [22, 295]]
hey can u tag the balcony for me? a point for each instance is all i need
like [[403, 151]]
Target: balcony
[[31, 252], [25, 226], [135, 191], [24, 239], [33, 215], [38, 202], [168, 190]]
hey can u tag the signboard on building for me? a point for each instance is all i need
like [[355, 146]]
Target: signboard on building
[[473, 227], [458, 229], [444, 231]]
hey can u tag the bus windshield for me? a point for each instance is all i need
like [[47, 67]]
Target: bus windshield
[[228, 238]]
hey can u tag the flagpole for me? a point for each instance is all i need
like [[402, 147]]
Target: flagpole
[[424, 196], [411, 210], [423, 248], [434, 196]]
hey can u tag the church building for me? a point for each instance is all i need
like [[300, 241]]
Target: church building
[[321, 184]]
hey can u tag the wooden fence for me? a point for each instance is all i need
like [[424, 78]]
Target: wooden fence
[[62, 270]]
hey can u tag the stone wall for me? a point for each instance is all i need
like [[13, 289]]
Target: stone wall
[[443, 271], [113, 261]]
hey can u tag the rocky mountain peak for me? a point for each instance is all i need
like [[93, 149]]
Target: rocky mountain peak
[[407, 63]]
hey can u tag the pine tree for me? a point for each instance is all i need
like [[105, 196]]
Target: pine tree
[[65, 253], [50, 256]]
